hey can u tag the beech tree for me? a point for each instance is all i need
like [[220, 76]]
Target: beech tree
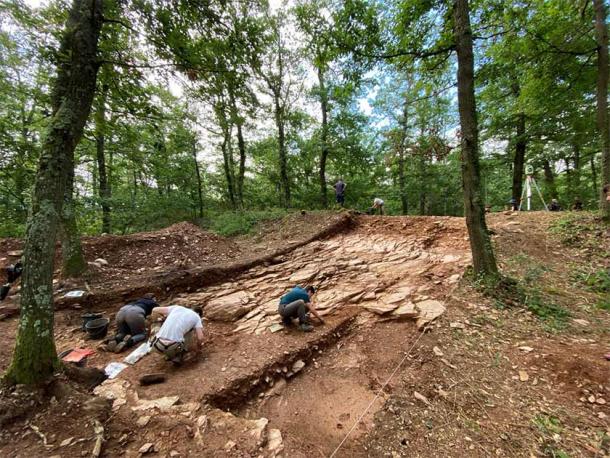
[[601, 32], [483, 259], [35, 357]]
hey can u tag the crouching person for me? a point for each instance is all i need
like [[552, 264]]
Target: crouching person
[[297, 303], [131, 323], [180, 334]]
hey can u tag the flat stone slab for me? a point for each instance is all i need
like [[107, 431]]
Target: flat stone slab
[[230, 307], [429, 310], [276, 327], [407, 310], [303, 276], [380, 308], [395, 298]]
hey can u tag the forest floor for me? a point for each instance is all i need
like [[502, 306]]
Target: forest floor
[[484, 379]]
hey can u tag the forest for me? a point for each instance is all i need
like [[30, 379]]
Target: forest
[[242, 109], [428, 181]]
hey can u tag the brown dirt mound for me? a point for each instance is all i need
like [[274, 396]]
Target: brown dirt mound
[[182, 245], [130, 257]]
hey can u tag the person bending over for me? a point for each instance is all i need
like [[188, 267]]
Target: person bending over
[[181, 332], [297, 303], [131, 323], [377, 206]]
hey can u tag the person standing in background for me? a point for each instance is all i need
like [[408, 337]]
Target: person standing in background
[[340, 191]]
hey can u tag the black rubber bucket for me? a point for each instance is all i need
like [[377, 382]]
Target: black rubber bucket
[[97, 328], [90, 317]]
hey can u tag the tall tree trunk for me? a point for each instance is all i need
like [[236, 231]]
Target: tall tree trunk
[[100, 148], [26, 148], [601, 33], [483, 259], [35, 357], [593, 173], [402, 177], [324, 138], [402, 182], [241, 172], [283, 160], [569, 181], [241, 145], [576, 177], [519, 161], [73, 261], [549, 178], [227, 155], [198, 175], [423, 188]]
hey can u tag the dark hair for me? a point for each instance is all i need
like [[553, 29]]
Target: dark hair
[[606, 189], [149, 296], [198, 310], [310, 289]]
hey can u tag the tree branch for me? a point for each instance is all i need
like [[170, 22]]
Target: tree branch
[[412, 53]]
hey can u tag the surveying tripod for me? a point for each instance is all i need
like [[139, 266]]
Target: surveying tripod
[[530, 182]]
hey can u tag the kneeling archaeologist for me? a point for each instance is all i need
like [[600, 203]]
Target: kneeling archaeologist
[[131, 323], [181, 332], [297, 303]]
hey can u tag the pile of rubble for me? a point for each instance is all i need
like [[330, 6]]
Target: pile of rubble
[[210, 428]]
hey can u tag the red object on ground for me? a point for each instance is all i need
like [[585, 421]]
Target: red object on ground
[[77, 355]]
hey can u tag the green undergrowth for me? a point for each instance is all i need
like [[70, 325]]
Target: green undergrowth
[[549, 428], [581, 230], [596, 280], [232, 223], [507, 292]]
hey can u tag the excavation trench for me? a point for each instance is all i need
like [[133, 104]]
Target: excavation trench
[[286, 367], [374, 281]]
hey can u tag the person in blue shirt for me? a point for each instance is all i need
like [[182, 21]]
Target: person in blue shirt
[[297, 303]]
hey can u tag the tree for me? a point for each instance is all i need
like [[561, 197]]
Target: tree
[[483, 259], [313, 21], [601, 32], [24, 76], [35, 357], [73, 260], [279, 86]]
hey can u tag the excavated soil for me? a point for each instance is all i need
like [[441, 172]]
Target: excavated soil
[[374, 281], [483, 381], [133, 257], [179, 258]]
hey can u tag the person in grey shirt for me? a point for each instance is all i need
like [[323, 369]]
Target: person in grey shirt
[[340, 191], [131, 323]]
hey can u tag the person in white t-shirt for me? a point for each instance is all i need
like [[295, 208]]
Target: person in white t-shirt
[[181, 332], [377, 205]]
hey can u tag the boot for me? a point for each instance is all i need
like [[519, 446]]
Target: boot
[[306, 327]]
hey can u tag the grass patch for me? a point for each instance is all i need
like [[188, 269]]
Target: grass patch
[[507, 292], [503, 290], [554, 316], [232, 223], [597, 281], [549, 428], [604, 303], [547, 425], [580, 230]]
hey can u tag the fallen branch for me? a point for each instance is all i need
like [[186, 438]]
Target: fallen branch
[[40, 434], [98, 429]]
